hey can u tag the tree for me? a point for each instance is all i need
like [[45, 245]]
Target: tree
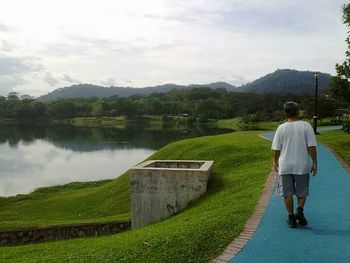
[[27, 98], [62, 108], [98, 109], [13, 97], [340, 85], [2, 107]]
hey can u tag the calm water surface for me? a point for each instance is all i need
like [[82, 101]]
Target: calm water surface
[[37, 156]]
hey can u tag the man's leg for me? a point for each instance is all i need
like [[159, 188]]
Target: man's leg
[[301, 201], [302, 191], [288, 201], [288, 191]]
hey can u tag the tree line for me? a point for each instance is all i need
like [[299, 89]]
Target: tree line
[[206, 103], [340, 84]]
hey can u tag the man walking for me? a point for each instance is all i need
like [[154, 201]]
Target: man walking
[[293, 143]]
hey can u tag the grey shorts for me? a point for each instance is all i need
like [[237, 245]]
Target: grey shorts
[[295, 185]]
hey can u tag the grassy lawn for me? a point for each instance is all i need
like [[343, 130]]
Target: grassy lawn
[[203, 230], [119, 121], [67, 204], [339, 141], [238, 124]]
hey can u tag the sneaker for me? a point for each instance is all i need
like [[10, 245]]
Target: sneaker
[[300, 217], [292, 223]]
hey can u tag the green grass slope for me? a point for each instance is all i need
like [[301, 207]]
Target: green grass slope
[[201, 231], [68, 204], [339, 141], [238, 124]]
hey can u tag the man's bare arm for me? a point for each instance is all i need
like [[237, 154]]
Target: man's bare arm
[[313, 154], [276, 154]]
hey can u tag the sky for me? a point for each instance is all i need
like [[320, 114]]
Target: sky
[[47, 44]]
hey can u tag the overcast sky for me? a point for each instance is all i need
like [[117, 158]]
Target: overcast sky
[[46, 44]]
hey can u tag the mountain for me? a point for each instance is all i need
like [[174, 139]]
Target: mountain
[[282, 80], [288, 81], [89, 90], [215, 85]]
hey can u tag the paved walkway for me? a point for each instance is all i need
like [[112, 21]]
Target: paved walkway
[[326, 239]]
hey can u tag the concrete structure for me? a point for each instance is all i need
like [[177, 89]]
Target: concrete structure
[[161, 188]]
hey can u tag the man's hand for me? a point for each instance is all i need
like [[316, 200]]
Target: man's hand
[[276, 166], [314, 169], [313, 154]]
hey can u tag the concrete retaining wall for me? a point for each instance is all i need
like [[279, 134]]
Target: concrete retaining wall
[[162, 188], [37, 235]]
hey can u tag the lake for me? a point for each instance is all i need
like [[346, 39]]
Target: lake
[[33, 156]]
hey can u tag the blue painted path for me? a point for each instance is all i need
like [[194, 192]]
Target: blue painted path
[[326, 239]]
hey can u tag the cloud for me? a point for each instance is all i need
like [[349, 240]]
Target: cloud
[[51, 80], [11, 65], [177, 18], [128, 82], [3, 27], [67, 78], [61, 80], [28, 75], [293, 18], [8, 83], [6, 46], [109, 82], [160, 41], [79, 46], [15, 70]]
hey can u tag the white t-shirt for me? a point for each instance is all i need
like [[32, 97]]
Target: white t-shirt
[[292, 139]]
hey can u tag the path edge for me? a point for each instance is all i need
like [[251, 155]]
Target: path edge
[[253, 222], [342, 161]]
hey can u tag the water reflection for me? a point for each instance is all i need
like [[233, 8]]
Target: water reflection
[[42, 164], [94, 138], [42, 155]]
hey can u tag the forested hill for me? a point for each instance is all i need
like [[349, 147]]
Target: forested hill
[[288, 80], [282, 81], [89, 90]]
